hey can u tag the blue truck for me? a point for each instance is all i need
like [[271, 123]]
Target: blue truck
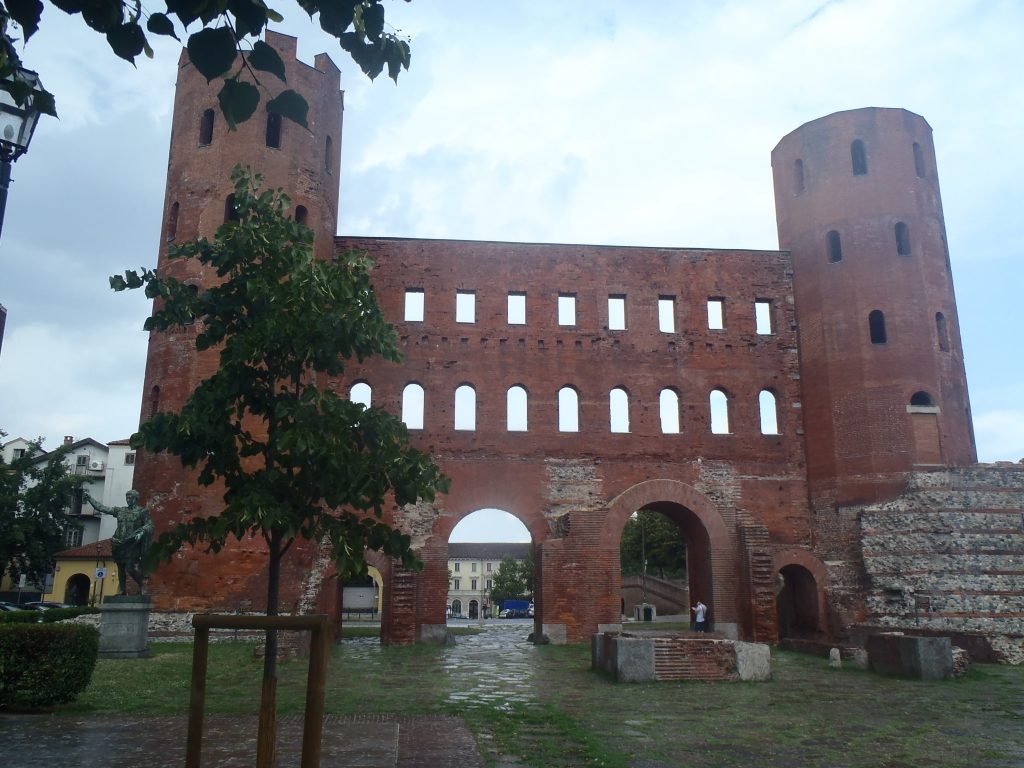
[[515, 609]]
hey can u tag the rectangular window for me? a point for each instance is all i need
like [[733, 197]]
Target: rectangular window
[[129, 459], [472, 585], [73, 537], [489, 567], [516, 308], [716, 314], [489, 584], [617, 312], [472, 567], [763, 316], [667, 314], [458, 567], [82, 461], [465, 306], [567, 309], [414, 305], [458, 583]]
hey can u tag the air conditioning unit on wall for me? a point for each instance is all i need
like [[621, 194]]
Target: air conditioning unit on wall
[[96, 466]]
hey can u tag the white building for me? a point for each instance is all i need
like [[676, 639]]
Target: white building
[[471, 569]]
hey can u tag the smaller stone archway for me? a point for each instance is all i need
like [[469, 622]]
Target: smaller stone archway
[[77, 590], [799, 594]]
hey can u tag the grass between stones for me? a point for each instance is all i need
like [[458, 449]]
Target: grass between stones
[[544, 707]]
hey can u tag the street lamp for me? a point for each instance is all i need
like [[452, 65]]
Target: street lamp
[[17, 124]]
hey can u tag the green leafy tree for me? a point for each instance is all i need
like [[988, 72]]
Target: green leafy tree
[[294, 459], [34, 500], [662, 541], [227, 30], [508, 582]]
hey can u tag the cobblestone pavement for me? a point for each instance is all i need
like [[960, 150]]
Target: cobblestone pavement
[[42, 741]]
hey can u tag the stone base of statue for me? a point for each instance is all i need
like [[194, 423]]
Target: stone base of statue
[[124, 627]]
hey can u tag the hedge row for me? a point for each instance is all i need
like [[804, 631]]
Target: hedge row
[[42, 665], [49, 616]]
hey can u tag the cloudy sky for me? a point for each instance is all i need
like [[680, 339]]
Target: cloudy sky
[[585, 121]]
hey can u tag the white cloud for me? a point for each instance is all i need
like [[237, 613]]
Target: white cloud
[[999, 435]]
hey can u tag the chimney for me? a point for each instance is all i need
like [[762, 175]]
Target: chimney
[[68, 439]]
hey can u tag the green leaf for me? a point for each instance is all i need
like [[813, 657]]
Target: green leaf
[[291, 105], [250, 16], [336, 17], [238, 100], [70, 6], [266, 59], [26, 13], [127, 40], [373, 21], [102, 15], [43, 101], [161, 24], [187, 11], [212, 52]]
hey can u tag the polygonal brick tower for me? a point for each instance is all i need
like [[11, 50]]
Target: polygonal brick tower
[[306, 164], [882, 373]]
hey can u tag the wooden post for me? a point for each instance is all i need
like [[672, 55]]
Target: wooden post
[[313, 727], [200, 657]]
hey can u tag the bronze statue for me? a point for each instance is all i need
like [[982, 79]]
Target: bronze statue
[[130, 541]]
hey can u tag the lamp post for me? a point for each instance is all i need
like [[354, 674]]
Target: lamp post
[[17, 123]]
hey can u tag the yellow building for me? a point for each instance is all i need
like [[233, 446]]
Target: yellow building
[[84, 575]]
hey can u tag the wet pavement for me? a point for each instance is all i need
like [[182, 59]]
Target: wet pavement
[[494, 667]]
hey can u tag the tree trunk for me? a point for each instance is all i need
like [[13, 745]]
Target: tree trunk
[[266, 748]]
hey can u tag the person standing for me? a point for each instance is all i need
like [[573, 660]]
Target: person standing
[[701, 615]]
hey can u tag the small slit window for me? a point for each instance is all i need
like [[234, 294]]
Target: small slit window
[[798, 177], [206, 128], [876, 326], [568, 410], [835, 246], [918, 160], [154, 401], [858, 158], [273, 130], [902, 232], [301, 214], [414, 305], [328, 154], [230, 209], [172, 222], [941, 331]]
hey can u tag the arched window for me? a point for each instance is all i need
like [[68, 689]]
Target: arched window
[[859, 158], [206, 128], [668, 403], [618, 407], [465, 408], [918, 161], [941, 332], [360, 393], [412, 406], [902, 232], [230, 210], [798, 177], [172, 222], [273, 130], [769, 413], [568, 410], [515, 406], [154, 401], [719, 403], [835, 246], [922, 399], [301, 214], [876, 324], [328, 154]]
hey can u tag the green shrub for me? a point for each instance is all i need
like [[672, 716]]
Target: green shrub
[[30, 616], [59, 614], [45, 664]]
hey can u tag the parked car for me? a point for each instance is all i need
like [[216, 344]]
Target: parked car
[[4, 606], [43, 605]]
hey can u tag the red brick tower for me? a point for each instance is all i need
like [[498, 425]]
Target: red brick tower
[[884, 389], [306, 164]]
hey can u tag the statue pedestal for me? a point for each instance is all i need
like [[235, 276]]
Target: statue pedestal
[[124, 627]]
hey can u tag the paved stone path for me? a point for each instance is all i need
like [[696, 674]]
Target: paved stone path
[[43, 741]]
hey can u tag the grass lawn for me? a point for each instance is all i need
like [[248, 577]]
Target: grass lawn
[[542, 706]]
